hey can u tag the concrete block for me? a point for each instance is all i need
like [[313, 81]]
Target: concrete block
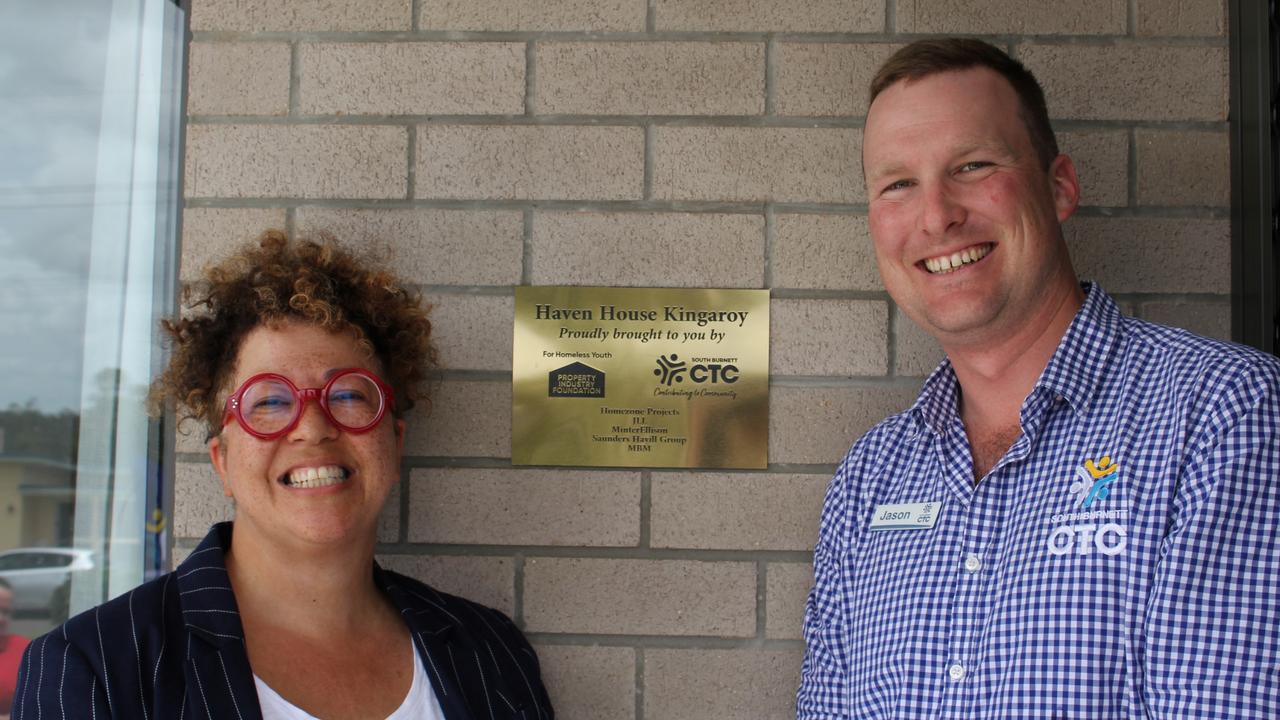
[[487, 580], [736, 511], [190, 437], [211, 234], [1210, 319], [1152, 255], [466, 418], [1001, 17], [827, 78], [420, 78], [500, 506], [823, 16], [238, 78], [300, 15], [472, 332], [389, 518], [828, 337], [305, 161], [788, 586], [1196, 18], [650, 78], [648, 249], [1183, 168], [828, 252], [530, 162], [202, 502], [916, 353], [432, 247], [640, 597], [534, 15], [1101, 158], [747, 684], [1131, 82], [589, 683], [817, 165], [810, 424]]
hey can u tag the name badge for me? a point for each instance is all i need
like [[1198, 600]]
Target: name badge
[[905, 516]]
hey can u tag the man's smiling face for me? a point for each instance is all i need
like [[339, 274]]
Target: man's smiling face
[[964, 217]]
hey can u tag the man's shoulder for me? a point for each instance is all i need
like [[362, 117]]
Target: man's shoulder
[[1191, 358]]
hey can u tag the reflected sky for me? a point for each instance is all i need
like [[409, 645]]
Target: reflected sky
[[52, 59]]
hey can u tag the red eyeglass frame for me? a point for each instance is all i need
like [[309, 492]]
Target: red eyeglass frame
[[234, 411]]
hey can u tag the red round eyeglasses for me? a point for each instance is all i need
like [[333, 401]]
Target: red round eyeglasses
[[268, 405]]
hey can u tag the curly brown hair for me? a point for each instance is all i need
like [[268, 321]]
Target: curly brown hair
[[276, 280]]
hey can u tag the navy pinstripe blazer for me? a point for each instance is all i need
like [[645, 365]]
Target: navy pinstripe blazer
[[173, 648]]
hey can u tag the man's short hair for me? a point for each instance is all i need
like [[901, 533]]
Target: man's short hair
[[928, 57]]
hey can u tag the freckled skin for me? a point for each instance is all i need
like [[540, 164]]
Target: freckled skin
[[950, 165]]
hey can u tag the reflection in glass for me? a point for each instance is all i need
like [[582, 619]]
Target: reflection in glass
[[89, 98]]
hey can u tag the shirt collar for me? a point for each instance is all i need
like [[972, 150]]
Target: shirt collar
[[1075, 371], [1078, 366]]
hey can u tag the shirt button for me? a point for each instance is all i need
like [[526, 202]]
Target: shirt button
[[956, 671], [972, 563]]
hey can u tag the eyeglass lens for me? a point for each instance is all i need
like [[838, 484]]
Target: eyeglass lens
[[353, 400]]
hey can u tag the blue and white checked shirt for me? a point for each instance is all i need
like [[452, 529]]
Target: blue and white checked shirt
[[1122, 560]]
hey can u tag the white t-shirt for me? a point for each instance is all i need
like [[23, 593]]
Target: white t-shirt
[[419, 704]]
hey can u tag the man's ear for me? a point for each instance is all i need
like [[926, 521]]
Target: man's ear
[[218, 456], [1066, 186]]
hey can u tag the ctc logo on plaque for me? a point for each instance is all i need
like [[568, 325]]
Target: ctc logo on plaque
[[575, 380], [671, 369]]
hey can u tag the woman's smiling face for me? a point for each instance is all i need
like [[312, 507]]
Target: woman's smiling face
[[350, 474]]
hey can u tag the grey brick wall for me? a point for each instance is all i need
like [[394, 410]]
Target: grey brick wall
[[485, 144]]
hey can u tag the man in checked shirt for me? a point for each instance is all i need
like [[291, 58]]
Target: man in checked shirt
[[1080, 515]]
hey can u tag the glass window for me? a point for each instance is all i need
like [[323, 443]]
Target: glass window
[[90, 93]]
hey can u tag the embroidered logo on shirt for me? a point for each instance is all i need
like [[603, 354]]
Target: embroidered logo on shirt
[[1093, 480], [1079, 533]]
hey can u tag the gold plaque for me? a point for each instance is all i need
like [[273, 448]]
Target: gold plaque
[[640, 377]]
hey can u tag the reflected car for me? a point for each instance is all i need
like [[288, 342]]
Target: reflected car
[[41, 577]]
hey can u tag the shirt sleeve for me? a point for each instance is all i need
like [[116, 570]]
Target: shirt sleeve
[[824, 678], [1213, 623], [55, 680]]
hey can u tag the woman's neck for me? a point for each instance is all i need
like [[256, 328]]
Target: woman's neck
[[322, 591]]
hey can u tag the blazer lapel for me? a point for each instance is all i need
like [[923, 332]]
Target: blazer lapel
[[431, 629], [219, 680]]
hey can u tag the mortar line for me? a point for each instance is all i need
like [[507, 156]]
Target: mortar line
[[530, 73], [891, 17], [411, 167], [693, 36], [770, 75], [650, 26], [891, 352], [415, 7], [770, 242], [1131, 187], [646, 508], [526, 251], [291, 220], [1131, 18], [650, 153], [403, 530], [639, 680], [295, 78], [762, 592], [517, 591]]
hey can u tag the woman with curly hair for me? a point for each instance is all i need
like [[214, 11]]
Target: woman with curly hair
[[302, 360]]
